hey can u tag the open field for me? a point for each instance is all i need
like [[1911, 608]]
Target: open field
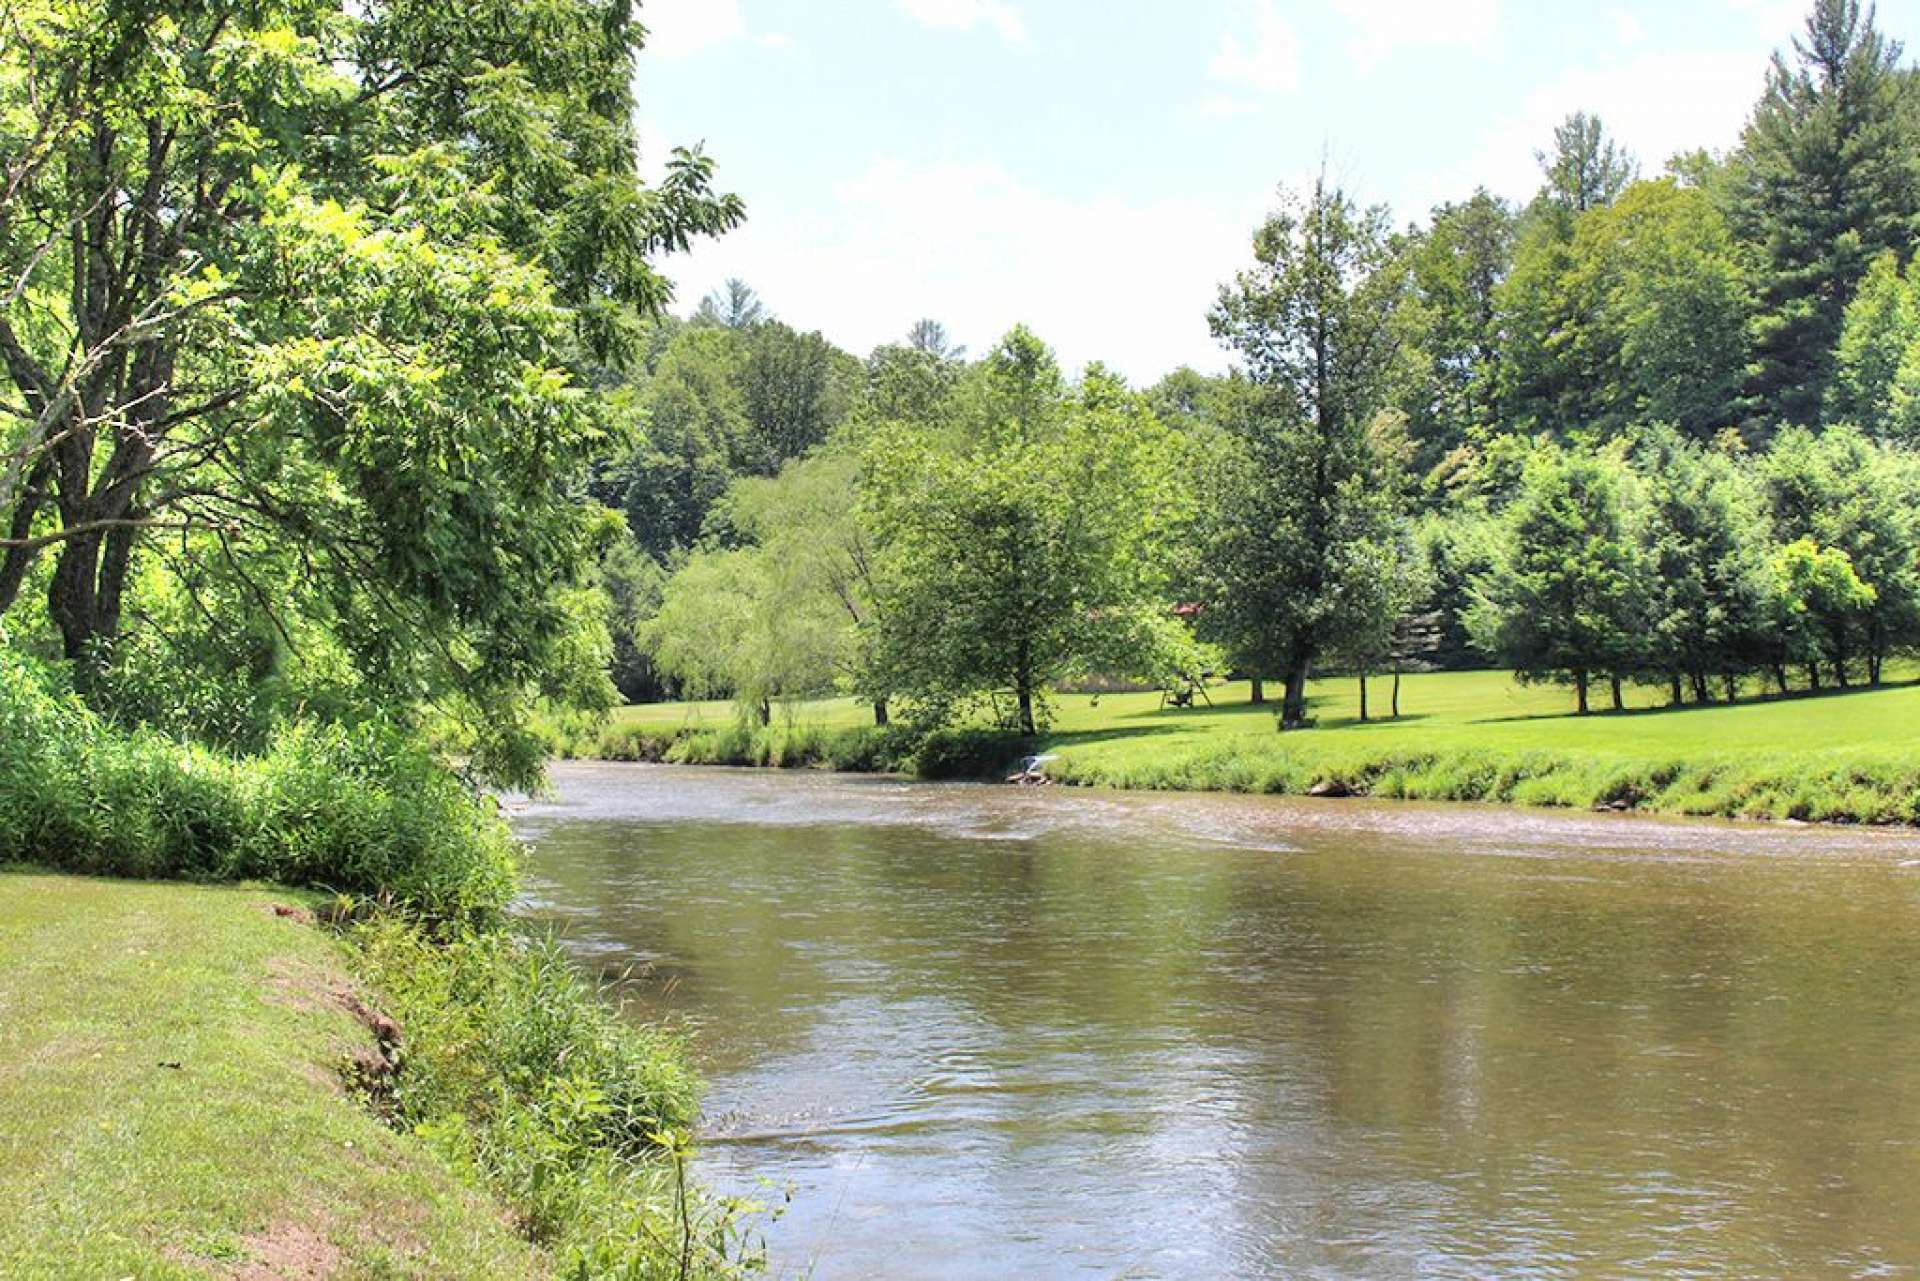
[[171, 1103], [1846, 756]]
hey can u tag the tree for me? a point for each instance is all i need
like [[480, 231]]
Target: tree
[[931, 337], [1564, 599], [1641, 316], [1877, 366], [1820, 605], [1018, 531], [1313, 323], [1845, 493], [735, 622], [254, 303], [796, 389], [1585, 169], [809, 521], [1705, 540], [734, 305], [1825, 181], [693, 436], [633, 582], [1451, 323]]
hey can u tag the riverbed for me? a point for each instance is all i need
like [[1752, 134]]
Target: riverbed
[[970, 1031]]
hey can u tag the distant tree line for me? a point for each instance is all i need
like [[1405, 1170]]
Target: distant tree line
[[1640, 429]]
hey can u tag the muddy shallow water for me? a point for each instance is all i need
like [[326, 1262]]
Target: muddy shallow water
[[984, 1031]]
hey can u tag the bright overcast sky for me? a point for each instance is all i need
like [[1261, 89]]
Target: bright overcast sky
[[1094, 168]]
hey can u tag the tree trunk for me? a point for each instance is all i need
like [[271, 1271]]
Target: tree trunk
[[1363, 697], [1813, 677], [1702, 692], [766, 712], [1027, 724], [1619, 702], [1259, 692], [1874, 660], [73, 598], [1580, 691], [1675, 695], [881, 717], [1293, 711], [1396, 692], [1780, 677], [1733, 688]]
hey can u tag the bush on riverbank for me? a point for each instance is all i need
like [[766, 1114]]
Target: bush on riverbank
[[961, 753], [516, 1068], [360, 809]]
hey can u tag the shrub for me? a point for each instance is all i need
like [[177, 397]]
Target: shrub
[[519, 1069], [364, 810], [969, 753]]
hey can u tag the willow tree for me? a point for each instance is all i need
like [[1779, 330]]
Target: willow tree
[[305, 288]]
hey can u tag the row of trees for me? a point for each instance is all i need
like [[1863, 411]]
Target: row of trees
[[1698, 566], [1637, 429]]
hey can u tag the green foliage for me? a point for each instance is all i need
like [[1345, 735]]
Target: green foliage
[[1639, 314], [1877, 376], [365, 811], [1306, 504], [514, 1066], [346, 270], [969, 752], [1825, 183], [1564, 599], [1017, 534]]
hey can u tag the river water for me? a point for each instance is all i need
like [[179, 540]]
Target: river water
[[996, 1032]]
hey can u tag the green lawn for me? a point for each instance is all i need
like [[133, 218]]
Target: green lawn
[[1852, 755], [1482, 709], [171, 1106]]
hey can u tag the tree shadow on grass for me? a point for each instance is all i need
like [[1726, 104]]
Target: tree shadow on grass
[[1768, 699]]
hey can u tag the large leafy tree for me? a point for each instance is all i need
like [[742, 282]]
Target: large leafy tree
[[1018, 532], [1825, 180], [1641, 317], [1298, 522], [1877, 366], [309, 287], [1452, 324], [1846, 494], [1564, 598], [1705, 538]]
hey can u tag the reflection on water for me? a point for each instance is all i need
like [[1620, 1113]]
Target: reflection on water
[[1001, 1032]]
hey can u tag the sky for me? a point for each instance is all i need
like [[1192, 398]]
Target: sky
[[1095, 168]]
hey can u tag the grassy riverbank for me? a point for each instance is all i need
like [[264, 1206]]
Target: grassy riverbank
[[1846, 756], [172, 1105]]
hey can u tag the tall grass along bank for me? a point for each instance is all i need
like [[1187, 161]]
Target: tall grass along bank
[[1842, 756], [193, 1083]]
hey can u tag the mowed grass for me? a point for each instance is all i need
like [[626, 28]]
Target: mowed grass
[[1843, 755], [171, 1104]]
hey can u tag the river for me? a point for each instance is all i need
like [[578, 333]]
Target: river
[[997, 1032]]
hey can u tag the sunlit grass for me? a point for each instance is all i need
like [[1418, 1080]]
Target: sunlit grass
[[170, 1102], [1843, 755]]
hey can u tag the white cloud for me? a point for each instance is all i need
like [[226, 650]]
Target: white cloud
[[677, 28], [776, 40], [1268, 61], [965, 15], [1382, 26], [1106, 277], [1655, 103]]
